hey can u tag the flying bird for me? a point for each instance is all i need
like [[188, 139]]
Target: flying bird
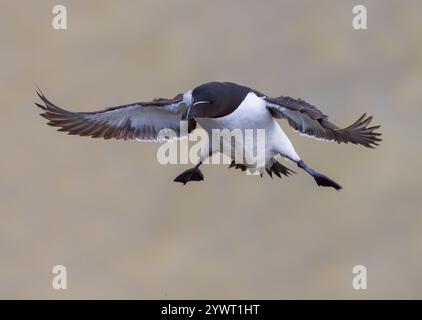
[[218, 105]]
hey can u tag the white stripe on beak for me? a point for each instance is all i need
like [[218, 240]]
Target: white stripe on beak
[[200, 102]]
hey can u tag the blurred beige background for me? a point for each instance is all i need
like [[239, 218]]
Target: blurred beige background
[[111, 214]]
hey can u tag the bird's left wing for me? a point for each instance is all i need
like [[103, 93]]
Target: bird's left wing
[[141, 121], [310, 121]]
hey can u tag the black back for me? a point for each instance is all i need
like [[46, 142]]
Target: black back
[[223, 97]]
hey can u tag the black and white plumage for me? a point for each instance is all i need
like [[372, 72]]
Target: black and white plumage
[[141, 120], [218, 105]]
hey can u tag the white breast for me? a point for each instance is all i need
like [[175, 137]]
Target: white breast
[[253, 114]]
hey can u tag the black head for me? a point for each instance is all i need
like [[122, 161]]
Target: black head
[[216, 99]]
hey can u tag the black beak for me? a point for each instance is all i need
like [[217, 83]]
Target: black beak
[[185, 115]]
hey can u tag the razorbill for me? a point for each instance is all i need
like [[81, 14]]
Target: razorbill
[[218, 105]]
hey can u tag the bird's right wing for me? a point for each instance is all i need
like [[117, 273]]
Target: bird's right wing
[[141, 121]]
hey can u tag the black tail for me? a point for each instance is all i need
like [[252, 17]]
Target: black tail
[[320, 179]]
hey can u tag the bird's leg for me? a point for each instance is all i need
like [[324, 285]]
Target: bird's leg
[[193, 174], [320, 179]]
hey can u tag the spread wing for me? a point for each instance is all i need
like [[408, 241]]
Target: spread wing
[[310, 121], [141, 121]]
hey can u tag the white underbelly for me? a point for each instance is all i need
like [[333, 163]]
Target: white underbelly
[[249, 135]]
